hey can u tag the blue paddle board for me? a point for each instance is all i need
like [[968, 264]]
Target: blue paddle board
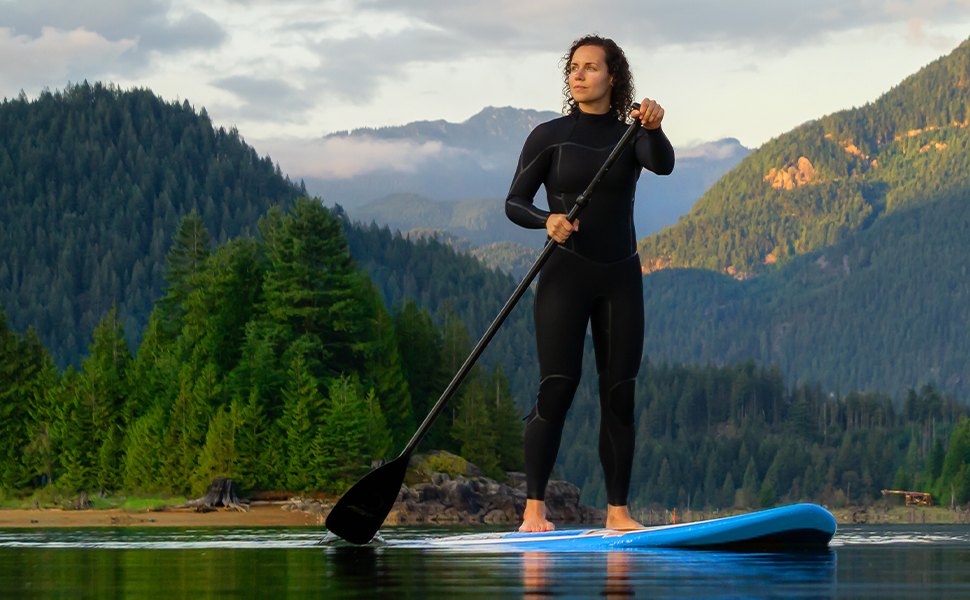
[[789, 528]]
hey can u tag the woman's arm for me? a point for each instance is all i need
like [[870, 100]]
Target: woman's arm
[[529, 175], [653, 149]]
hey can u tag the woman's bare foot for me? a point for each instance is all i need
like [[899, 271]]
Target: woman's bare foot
[[618, 517], [534, 517]]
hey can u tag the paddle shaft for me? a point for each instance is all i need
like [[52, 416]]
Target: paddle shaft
[[581, 203]]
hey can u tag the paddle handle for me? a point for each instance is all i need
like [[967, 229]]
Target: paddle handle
[[551, 244]]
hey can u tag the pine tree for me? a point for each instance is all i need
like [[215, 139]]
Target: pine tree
[[21, 374], [153, 373], [249, 435], [384, 373], [41, 452], [338, 443], [377, 440], [190, 250], [934, 462], [473, 429], [218, 456], [143, 452], [420, 348], [302, 408], [728, 491], [455, 350], [187, 426], [310, 289], [507, 423], [106, 396], [957, 462], [750, 483]]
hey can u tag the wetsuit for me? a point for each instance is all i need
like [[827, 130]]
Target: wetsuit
[[594, 277]]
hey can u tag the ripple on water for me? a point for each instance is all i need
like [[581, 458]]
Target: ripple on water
[[160, 539], [949, 535]]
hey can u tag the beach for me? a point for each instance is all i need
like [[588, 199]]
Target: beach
[[259, 515]]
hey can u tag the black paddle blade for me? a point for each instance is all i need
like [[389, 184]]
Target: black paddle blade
[[361, 511]]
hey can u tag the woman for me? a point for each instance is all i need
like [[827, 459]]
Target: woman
[[594, 275]]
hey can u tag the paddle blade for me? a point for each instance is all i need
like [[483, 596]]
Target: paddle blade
[[361, 511]]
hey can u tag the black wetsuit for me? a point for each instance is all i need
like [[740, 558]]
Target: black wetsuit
[[593, 277]]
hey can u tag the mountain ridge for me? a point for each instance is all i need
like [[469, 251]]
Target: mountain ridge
[[812, 186]]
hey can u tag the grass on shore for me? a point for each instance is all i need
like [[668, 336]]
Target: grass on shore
[[55, 498]]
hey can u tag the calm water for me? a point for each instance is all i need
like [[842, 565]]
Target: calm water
[[929, 561]]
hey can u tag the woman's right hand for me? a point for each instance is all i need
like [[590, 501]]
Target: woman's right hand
[[558, 227]]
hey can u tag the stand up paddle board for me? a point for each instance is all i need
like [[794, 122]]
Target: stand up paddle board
[[790, 528]]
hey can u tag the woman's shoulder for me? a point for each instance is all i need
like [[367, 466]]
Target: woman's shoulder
[[554, 124], [550, 132]]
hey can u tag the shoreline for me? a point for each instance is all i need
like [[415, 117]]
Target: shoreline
[[260, 515], [273, 514]]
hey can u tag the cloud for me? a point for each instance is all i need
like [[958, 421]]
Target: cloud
[[655, 23], [918, 36], [341, 158], [63, 55], [156, 25], [266, 98], [355, 60]]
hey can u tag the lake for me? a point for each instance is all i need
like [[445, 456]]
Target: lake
[[912, 561]]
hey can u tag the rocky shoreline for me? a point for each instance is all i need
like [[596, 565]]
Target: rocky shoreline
[[444, 489]]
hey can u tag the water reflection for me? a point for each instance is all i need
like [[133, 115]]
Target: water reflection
[[286, 563], [536, 584], [660, 573]]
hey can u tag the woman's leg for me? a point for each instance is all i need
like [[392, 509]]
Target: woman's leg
[[617, 320], [561, 314]]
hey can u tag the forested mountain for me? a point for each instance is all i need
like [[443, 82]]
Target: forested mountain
[[93, 182], [886, 309], [481, 221], [818, 184], [508, 257]]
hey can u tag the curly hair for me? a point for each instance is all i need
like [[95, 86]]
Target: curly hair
[[621, 96]]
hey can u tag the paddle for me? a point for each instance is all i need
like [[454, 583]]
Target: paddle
[[362, 509]]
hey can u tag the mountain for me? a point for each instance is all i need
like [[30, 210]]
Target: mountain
[[93, 183], [481, 221], [464, 162], [838, 251], [829, 178], [509, 257], [472, 159], [885, 309]]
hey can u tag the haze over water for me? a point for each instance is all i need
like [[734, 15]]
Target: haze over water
[[931, 561]]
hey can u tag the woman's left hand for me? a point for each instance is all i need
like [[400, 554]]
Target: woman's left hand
[[650, 113]]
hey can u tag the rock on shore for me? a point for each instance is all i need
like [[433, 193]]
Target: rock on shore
[[444, 489]]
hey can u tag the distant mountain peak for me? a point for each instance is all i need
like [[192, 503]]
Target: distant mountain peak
[[492, 126]]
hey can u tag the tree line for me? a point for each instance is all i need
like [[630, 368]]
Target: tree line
[[271, 359]]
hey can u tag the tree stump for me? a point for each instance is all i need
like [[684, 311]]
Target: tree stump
[[222, 492]]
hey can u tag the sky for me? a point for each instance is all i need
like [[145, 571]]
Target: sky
[[287, 72]]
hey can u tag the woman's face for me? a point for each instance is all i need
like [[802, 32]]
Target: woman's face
[[589, 80]]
